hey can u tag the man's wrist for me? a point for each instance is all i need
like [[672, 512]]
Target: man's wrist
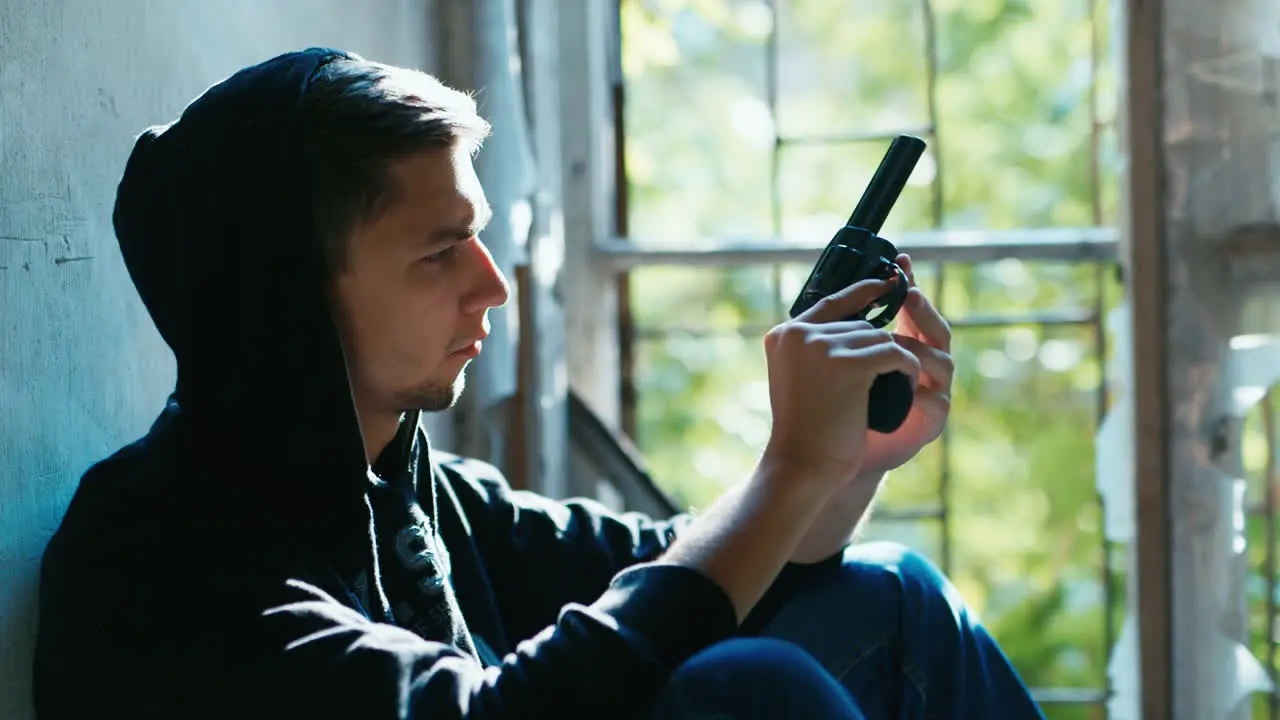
[[851, 503], [796, 469], [861, 488], [843, 511], [791, 483]]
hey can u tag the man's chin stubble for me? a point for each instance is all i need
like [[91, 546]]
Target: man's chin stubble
[[435, 397]]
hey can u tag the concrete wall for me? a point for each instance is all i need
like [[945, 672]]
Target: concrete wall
[[82, 369]]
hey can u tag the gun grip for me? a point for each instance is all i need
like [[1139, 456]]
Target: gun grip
[[889, 402]]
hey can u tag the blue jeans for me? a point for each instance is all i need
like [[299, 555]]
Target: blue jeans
[[883, 635]]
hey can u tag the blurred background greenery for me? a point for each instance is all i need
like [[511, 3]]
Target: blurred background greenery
[[1017, 99]]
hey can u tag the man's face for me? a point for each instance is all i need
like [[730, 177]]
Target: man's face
[[412, 302]]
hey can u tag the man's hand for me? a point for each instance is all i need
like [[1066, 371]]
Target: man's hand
[[927, 336], [820, 372]]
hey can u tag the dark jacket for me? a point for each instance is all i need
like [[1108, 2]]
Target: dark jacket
[[241, 560]]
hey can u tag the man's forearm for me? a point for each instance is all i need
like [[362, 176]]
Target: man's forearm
[[745, 539], [834, 527]]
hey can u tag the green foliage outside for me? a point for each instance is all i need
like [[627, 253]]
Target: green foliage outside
[[1259, 456], [1021, 535]]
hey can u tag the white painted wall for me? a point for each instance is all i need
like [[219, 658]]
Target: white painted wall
[[82, 369]]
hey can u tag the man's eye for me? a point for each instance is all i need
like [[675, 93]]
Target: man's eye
[[441, 255]]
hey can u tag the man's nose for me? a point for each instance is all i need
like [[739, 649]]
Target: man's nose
[[491, 288]]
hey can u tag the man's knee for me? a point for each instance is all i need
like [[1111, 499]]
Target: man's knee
[[748, 660], [920, 582], [744, 677]]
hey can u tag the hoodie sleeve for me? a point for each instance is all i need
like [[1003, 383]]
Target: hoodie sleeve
[[542, 554], [206, 623], [607, 659]]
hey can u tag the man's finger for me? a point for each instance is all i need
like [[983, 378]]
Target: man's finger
[[858, 334], [849, 301], [884, 358], [919, 318], [904, 261], [933, 400], [937, 368]]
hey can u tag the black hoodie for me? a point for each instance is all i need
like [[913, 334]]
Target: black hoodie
[[240, 560]]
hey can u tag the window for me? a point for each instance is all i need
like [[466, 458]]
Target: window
[[748, 131], [1261, 486]]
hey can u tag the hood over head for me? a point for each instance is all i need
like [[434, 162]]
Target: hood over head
[[214, 220]]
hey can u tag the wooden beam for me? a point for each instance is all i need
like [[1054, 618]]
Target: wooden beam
[[1152, 589], [589, 199], [1201, 135], [479, 40], [1083, 244], [544, 374]]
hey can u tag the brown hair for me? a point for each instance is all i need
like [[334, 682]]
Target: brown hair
[[360, 116]]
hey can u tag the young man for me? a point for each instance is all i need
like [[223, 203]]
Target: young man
[[284, 543]]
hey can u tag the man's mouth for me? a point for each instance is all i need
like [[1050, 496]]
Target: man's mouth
[[470, 348]]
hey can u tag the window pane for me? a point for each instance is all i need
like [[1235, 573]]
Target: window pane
[[916, 486], [1013, 95], [1016, 148], [703, 412], [850, 68], [1025, 519], [703, 299], [923, 536], [819, 186], [1109, 176], [699, 132], [1073, 711], [1107, 95], [1011, 287], [1259, 588], [1262, 594]]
